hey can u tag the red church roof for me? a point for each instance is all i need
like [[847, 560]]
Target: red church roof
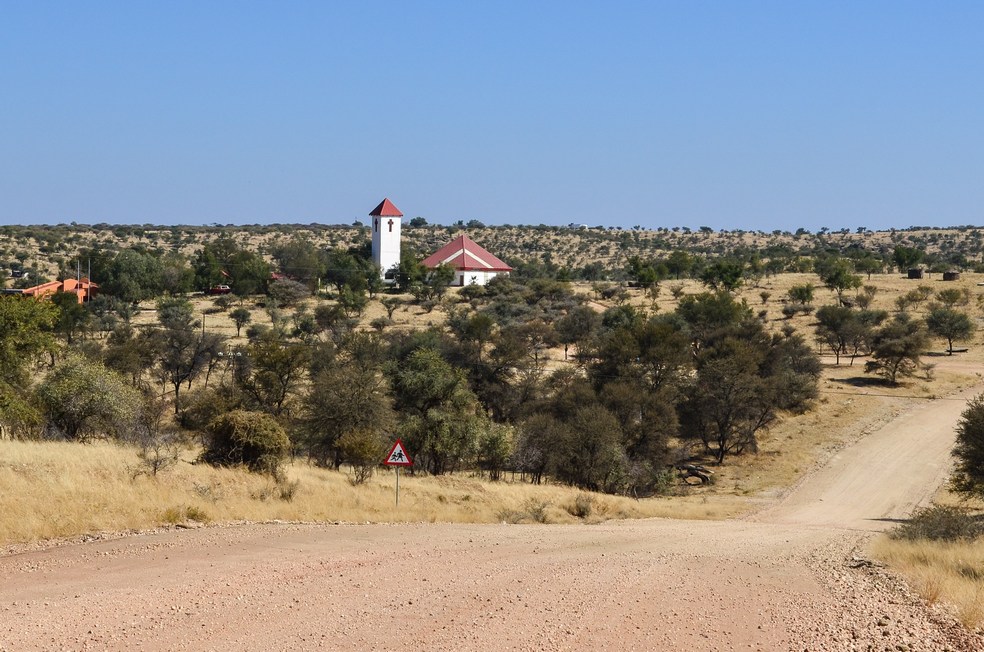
[[463, 254], [386, 209]]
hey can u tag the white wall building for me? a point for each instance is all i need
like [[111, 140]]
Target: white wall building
[[386, 223]]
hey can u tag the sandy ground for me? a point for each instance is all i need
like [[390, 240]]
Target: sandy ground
[[791, 577]]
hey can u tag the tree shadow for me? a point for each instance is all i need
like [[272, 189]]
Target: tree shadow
[[864, 381]]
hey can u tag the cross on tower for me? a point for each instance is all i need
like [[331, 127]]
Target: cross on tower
[[390, 225]]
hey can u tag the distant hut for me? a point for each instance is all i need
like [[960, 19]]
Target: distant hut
[[916, 272], [951, 275]]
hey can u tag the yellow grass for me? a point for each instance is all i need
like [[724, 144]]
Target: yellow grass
[[59, 489], [950, 573]]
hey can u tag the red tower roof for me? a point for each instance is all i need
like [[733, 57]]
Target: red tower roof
[[463, 254], [386, 209]]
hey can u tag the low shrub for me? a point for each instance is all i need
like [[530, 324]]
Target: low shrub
[[940, 523], [253, 439]]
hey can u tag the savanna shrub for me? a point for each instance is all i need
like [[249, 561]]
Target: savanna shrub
[[940, 523], [253, 439]]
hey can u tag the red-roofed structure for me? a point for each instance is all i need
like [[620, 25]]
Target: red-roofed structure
[[386, 209], [473, 265]]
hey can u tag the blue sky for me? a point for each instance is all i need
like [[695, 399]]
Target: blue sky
[[752, 115]]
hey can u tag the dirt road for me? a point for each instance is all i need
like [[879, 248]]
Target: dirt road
[[792, 577]]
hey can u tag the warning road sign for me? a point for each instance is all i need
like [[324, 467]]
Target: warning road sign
[[398, 456]]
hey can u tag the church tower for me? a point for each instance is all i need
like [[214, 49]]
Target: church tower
[[386, 237]]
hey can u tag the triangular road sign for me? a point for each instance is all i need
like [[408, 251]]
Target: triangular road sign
[[398, 456]]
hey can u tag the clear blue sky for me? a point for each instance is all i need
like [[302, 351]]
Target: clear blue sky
[[754, 115]]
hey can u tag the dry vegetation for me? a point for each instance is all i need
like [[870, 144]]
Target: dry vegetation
[[949, 572], [65, 489], [47, 247], [54, 489], [60, 489]]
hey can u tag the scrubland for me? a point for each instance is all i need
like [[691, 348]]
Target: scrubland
[[58, 489]]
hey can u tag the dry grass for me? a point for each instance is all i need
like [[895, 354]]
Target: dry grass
[[58, 489], [951, 573], [57, 493]]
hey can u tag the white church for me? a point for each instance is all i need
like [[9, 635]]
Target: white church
[[472, 264]]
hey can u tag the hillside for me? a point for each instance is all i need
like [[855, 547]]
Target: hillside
[[598, 249]]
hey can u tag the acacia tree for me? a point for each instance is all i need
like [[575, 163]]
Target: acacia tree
[[730, 402], [724, 274], [835, 328], [26, 335], [968, 473], [271, 373], [182, 351], [906, 257], [348, 404], [949, 324], [443, 419], [897, 348], [240, 317], [577, 327], [838, 275], [83, 399]]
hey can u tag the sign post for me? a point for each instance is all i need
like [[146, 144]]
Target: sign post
[[398, 457]]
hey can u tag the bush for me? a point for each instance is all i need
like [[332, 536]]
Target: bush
[[253, 439], [364, 450], [940, 523], [583, 506]]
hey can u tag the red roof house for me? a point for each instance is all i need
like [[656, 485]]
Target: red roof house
[[473, 264]]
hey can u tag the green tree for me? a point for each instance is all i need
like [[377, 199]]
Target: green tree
[[495, 449], [710, 315], [240, 317], [299, 259], [724, 274], [835, 328], [869, 265], [730, 401], [679, 263], [949, 324], [26, 328], [802, 294], [286, 292], [906, 257], [897, 348], [272, 373], [252, 439], [73, 318], [591, 452], [182, 351], [82, 399], [577, 328], [348, 404], [951, 297], [838, 275], [442, 417], [133, 276], [968, 451]]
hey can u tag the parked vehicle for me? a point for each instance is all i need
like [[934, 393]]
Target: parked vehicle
[[219, 289]]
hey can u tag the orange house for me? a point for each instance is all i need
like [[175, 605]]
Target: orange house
[[82, 288]]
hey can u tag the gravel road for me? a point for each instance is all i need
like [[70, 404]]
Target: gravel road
[[792, 577]]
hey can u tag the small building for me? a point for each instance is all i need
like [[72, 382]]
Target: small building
[[916, 272], [82, 288], [386, 227], [472, 264], [951, 275]]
